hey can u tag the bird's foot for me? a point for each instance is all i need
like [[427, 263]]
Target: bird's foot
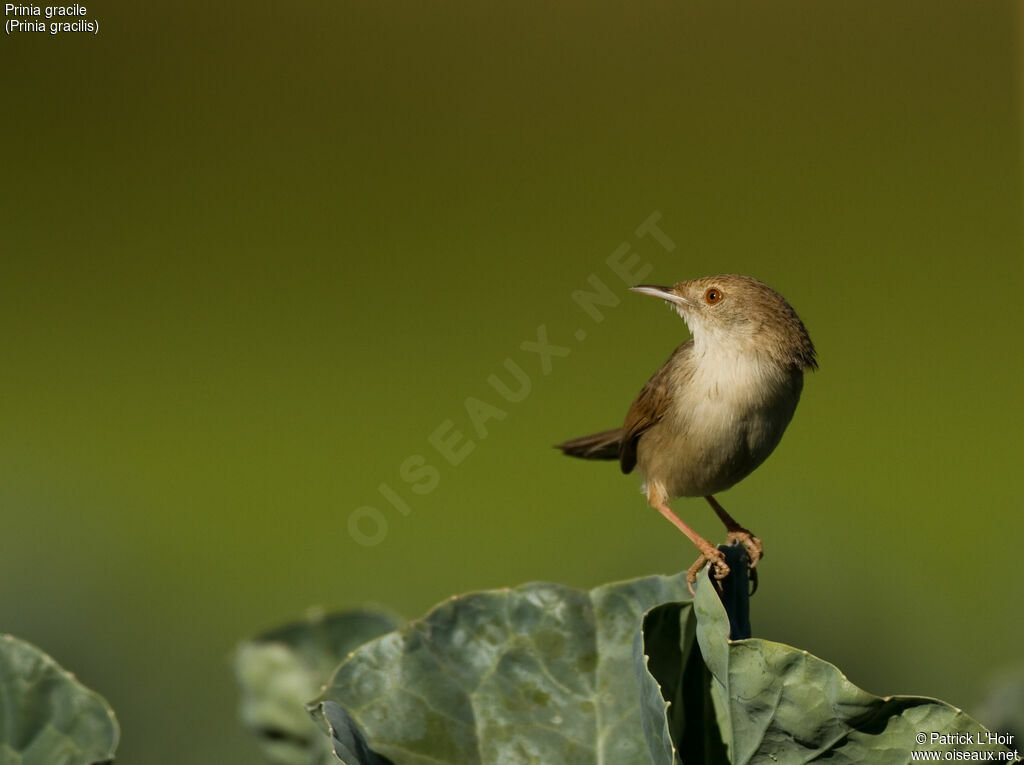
[[755, 550], [712, 555]]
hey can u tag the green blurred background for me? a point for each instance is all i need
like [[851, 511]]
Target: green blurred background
[[253, 255]]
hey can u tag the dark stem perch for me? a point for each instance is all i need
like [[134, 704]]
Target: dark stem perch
[[735, 590]]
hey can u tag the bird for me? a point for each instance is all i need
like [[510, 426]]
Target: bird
[[716, 408]]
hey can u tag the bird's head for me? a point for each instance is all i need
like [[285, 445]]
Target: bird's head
[[739, 313]]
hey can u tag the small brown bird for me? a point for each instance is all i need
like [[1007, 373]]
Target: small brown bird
[[717, 408]]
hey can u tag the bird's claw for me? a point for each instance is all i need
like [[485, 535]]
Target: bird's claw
[[719, 568], [755, 550]]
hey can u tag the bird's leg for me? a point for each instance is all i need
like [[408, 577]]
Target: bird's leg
[[737, 533], [708, 552]]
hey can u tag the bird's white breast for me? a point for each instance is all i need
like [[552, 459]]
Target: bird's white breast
[[727, 413]]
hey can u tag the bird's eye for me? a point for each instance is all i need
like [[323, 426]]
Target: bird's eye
[[713, 296]]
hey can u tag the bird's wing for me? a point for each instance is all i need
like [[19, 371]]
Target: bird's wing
[[648, 408]]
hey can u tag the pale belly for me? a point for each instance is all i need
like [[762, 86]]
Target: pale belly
[[715, 443]]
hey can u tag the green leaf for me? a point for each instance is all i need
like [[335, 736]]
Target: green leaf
[[670, 639], [777, 704], [279, 671], [537, 674], [46, 716], [347, 739]]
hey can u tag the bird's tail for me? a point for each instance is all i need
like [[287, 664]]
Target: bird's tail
[[599, 446]]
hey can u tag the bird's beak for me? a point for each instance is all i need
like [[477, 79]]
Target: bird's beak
[[665, 293]]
